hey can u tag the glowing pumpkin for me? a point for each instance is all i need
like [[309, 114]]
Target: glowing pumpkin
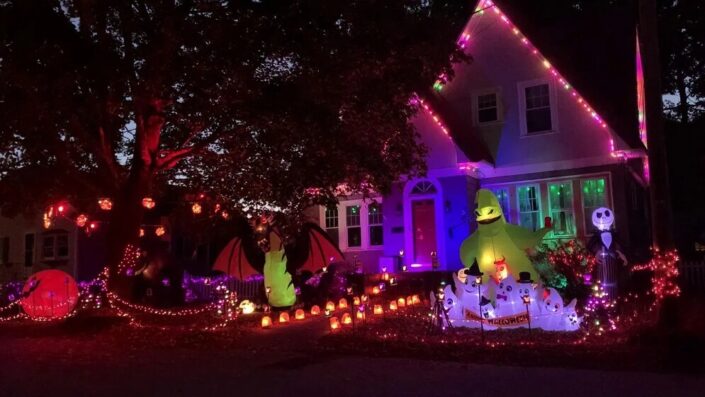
[[283, 317], [356, 301], [415, 299], [299, 314], [392, 305], [49, 294], [330, 306], [266, 322], [347, 319], [342, 304], [378, 309], [401, 302], [315, 310], [334, 323]]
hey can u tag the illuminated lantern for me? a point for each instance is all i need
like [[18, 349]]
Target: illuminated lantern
[[93, 226], [141, 232], [61, 208], [409, 301], [299, 314], [247, 307], [330, 306], [375, 290], [346, 319], [385, 276], [501, 270], [401, 302], [81, 220], [283, 317], [334, 323], [360, 315], [378, 309], [160, 231], [342, 304], [105, 204], [266, 322], [46, 220], [315, 310], [356, 301], [415, 299], [49, 294], [392, 305], [148, 203], [196, 208]]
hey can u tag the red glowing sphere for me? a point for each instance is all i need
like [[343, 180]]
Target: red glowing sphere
[[49, 294]]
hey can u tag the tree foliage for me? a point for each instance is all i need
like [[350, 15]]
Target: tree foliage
[[252, 101]]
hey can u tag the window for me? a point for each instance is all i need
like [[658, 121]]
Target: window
[[424, 187], [331, 219], [537, 104], [352, 221], [29, 249], [374, 221], [560, 204], [55, 246], [502, 195], [529, 206], [594, 197], [487, 110], [5, 251]]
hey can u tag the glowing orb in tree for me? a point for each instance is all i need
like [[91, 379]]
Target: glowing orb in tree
[[49, 294]]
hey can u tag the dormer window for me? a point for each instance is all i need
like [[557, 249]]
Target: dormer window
[[486, 109]]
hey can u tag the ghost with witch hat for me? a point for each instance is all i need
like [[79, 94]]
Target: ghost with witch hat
[[467, 288], [496, 241]]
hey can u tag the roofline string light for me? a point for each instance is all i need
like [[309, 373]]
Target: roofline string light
[[464, 39]]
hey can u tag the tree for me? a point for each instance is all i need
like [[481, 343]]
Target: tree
[[682, 42], [259, 102]]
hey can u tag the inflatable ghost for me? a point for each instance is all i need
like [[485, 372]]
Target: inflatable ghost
[[551, 311], [571, 321], [495, 239], [508, 300]]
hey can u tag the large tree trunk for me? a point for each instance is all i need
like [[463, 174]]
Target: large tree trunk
[[128, 210]]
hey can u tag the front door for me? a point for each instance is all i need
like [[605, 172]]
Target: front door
[[424, 224]]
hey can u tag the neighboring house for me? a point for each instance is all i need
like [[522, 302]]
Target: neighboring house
[[26, 247], [554, 132]]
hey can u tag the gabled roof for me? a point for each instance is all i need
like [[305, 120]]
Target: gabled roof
[[596, 65]]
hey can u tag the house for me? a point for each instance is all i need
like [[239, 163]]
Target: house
[[547, 116], [26, 247]]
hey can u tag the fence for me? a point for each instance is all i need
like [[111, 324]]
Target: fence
[[253, 290], [692, 275]]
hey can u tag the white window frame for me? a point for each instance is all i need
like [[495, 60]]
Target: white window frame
[[521, 92], [476, 106], [364, 224], [505, 211], [538, 201], [27, 249], [572, 206], [55, 246], [587, 218]]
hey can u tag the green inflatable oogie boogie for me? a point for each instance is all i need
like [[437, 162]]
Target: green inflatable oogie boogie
[[496, 243]]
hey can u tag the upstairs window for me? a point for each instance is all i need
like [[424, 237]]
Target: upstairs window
[[537, 109], [29, 249]]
